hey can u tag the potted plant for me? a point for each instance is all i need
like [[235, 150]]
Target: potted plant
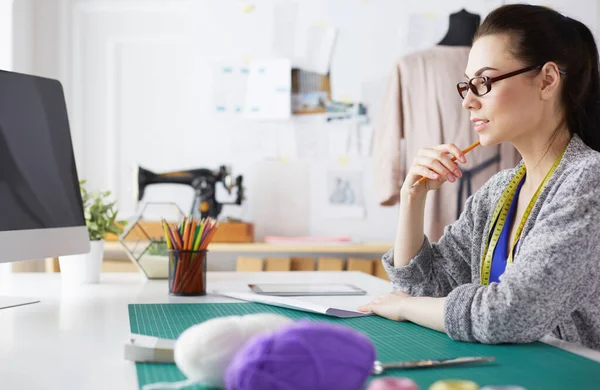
[[100, 218]]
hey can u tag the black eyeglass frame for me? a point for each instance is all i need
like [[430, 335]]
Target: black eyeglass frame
[[465, 86]]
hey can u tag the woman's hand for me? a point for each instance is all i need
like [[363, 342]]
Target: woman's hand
[[399, 306], [436, 165], [388, 306]]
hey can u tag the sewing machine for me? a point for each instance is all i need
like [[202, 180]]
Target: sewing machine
[[203, 181]]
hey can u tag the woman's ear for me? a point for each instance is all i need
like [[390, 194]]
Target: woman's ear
[[550, 80]]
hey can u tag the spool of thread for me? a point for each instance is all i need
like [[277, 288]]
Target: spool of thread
[[203, 352], [392, 384], [453, 384], [305, 355]]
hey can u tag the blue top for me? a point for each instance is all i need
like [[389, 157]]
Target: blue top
[[501, 251]]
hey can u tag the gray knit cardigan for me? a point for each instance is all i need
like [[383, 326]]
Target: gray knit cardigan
[[553, 285]]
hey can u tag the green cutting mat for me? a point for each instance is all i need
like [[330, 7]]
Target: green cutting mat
[[533, 366]]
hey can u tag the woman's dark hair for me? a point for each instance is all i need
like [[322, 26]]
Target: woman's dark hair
[[538, 35]]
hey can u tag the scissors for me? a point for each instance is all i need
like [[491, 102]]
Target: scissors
[[379, 367]]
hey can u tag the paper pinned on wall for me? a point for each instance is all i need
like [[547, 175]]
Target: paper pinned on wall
[[319, 39], [273, 188], [366, 133], [345, 195], [346, 139], [338, 138], [284, 29], [230, 79], [354, 140], [310, 143], [253, 143], [319, 47], [422, 30], [286, 143], [268, 91]]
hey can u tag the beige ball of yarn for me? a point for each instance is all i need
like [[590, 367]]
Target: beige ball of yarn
[[202, 352]]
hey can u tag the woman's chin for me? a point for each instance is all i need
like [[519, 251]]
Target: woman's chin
[[488, 140]]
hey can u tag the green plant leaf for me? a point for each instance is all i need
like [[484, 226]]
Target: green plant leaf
[[100, 213]]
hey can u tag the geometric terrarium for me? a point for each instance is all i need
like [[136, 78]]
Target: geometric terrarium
[[144, 238]]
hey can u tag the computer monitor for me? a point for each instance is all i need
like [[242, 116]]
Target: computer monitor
[[41, 212]]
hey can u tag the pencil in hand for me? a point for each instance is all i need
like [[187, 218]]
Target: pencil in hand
[[465, 151]]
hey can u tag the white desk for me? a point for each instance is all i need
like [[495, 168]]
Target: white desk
[[74, 338]]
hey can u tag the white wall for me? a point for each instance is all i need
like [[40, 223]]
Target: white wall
[[138, 84], [142, 92]]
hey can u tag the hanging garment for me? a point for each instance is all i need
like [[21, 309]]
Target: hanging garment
[[421, 109]]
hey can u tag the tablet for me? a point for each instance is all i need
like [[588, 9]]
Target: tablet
[[305, 289]]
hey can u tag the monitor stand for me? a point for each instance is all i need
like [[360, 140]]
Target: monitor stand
[[7, 302]]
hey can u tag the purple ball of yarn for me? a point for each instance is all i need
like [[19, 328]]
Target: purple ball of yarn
[[304, 355]]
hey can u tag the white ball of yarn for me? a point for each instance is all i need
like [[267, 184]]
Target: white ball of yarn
[[203, 352]]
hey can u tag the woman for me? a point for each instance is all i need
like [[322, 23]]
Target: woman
[[532, 80]]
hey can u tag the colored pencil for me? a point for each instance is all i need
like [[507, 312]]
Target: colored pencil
[[188, 243], [167, 236]]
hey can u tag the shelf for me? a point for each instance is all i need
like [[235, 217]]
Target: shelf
[[323, 248], [374, 248]]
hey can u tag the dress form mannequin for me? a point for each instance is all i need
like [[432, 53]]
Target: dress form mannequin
[[462, 29]]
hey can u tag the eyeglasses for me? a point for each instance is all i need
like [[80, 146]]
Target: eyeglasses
[[480, 85]]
